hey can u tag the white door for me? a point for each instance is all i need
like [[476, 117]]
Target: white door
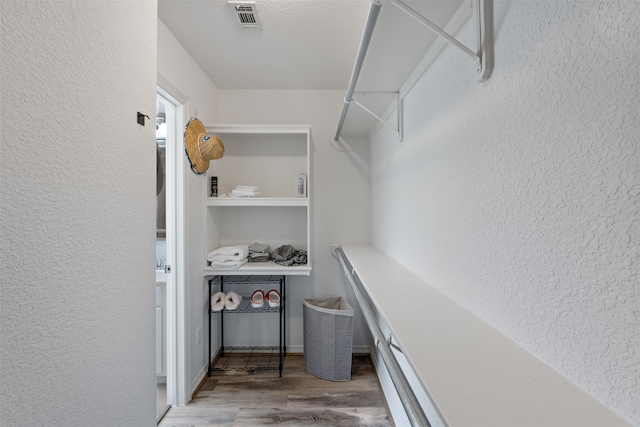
[[173, 311]]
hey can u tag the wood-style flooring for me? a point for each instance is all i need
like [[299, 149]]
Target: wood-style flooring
[[260, 397]]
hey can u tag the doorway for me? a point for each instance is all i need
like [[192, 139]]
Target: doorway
[[175, 104], [170, 311], [165, 244]]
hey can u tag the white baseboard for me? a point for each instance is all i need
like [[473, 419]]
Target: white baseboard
[[197, 381]]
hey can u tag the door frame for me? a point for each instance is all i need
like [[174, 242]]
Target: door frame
[[177, 375]]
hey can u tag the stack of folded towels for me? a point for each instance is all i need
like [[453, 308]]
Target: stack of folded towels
[[258, 252], [245, 191], [229, 256]]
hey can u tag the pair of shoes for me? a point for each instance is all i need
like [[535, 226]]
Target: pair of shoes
[[257, 298], [230, 301]]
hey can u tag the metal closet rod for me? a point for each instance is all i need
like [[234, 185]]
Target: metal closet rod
[[374, 11], [481, 60]]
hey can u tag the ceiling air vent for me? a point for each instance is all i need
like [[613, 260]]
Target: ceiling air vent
[[246, 14]]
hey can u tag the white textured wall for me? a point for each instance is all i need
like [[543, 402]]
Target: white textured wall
[[77, 213], [519, 197], [339, 186]]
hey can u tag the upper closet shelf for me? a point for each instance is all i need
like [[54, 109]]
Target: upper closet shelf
[[257, 201], [392, 58]]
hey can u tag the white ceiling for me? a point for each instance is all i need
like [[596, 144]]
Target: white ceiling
[[307, 44], [304, 44]]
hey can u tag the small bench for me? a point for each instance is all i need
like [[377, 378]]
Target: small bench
[[474, 374]]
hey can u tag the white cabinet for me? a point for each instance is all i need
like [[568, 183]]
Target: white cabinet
[[271, 158]]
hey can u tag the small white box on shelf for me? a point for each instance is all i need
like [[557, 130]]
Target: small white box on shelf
[[301, 185]]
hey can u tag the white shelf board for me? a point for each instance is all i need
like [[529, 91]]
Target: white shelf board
[[260, 269], [266, 129], [257, 201], [475, 375]]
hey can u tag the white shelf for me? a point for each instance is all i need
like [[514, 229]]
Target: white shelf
[[270, 157], [260, 269], [257, 201], [475, 375], [259, 129]]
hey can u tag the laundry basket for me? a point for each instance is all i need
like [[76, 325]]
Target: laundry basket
[[328, 338]]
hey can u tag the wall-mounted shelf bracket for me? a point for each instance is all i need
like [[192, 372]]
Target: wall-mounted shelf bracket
[[483, 23], [398, 127], [398, 104], [482, 13]]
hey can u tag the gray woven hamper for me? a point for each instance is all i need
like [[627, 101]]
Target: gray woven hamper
[[328, 338]]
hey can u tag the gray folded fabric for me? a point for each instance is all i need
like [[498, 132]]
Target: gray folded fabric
[[287, 255], [283, 253], [259, 248]]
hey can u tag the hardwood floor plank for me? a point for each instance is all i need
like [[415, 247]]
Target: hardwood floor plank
[[341, 399], [253, 398], [196, 417], [340, 417], [241, 398]]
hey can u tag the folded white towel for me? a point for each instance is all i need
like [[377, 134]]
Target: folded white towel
[[228, 263], [221, 259], [229, 252], [244, 193], [232, 301], [217, 301]]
